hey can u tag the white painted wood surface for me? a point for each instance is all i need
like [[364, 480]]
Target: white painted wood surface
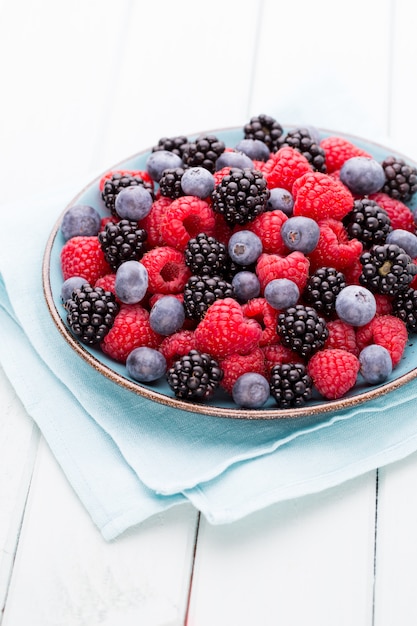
[[85, 84]]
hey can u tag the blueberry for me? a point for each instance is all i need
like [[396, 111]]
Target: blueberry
[[167, 315], [234, 159], [254, 148], [355, 305], [197, 181], [80, 220], [405, 240], [300, 233], [362, 175], [69, 285], [281, 293], [131, 282], [133, 203], [146, 364], [251, 390], [244, 247], [280, 199], [375, 364], [162, 160], [246, 286]]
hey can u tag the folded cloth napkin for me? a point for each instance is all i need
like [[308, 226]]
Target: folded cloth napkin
[[128, 457]]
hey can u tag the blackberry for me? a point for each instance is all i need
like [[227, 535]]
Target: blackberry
[[90, 313], [404, 306], [322, 288], [172, 144], [206, 255], [122, 241], [241, 196], [401, 179], [302, 329], [290, 385], [119, 181], [194, 376], [170, 183], [266, 129], [367, 222], [386, 269], [301, 140], [201, 291], [203, 152]]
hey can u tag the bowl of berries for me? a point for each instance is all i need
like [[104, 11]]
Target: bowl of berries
[[256, 272]]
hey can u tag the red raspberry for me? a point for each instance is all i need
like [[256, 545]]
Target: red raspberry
[[387, 331], [224, 330], [177, 345], [284, 167], [235, 365], [185, 218], [399, 213], [259, 310], [334, 371], [341, 335], [220, 174], [131, 329], [167, 271], [319, 196], [143, 174], [83, 256], [107, 282], [268, 228], [294, 266], [277, 353], [222, 231], [339, 150], [383, 304], [334, 248], [151, 223], [352, 272]]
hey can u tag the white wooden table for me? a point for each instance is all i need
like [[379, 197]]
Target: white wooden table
[[87, 83]]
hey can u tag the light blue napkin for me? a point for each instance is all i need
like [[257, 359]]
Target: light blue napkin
[[129, 458]]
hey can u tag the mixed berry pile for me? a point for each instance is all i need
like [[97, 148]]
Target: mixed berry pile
[[281, 267]]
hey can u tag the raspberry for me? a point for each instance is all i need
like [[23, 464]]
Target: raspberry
[[399, 213], [277, 353], [83, 256], [177, 345], [106, 282], [339, 150], [167, 271], [334, 371], [259, 310], [383, 304], [284, 167], [235, 365], [225, 330], [319, 196], [342, 336], [387, 331], [131, 329], [294, 266], [151, 223], [184, 219], [139, 173], [334, 248], [268, 228]]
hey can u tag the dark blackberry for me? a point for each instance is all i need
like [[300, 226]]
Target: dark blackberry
[[386, 269], [290, 384], [119, 181], [266, 129], [241, 196], [206, 255], [90, 313], [194, 376], [404, 306], [401, 179], [301, 140], [170, 183], [201, 291], [172, 144], [122, 241], [367, 222], [322, 288], [302, 329], [203, 152]]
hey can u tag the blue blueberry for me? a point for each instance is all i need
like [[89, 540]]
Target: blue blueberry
[[300, 233], [197, 181], [362, 175], [281, 293], [405, 240], [244, 247], [355, 305], [254, 148], [281, 200], [146, 364], [69, 285], [133, 203], [167, 315], [234, 159], [162, 160], [80, 220], [251, 390], [131, 282], [375, 364], [246, 286]]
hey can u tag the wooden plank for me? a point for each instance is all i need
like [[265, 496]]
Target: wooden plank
[[306, 561]]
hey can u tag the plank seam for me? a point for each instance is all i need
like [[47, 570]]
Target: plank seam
[[190, 587]]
